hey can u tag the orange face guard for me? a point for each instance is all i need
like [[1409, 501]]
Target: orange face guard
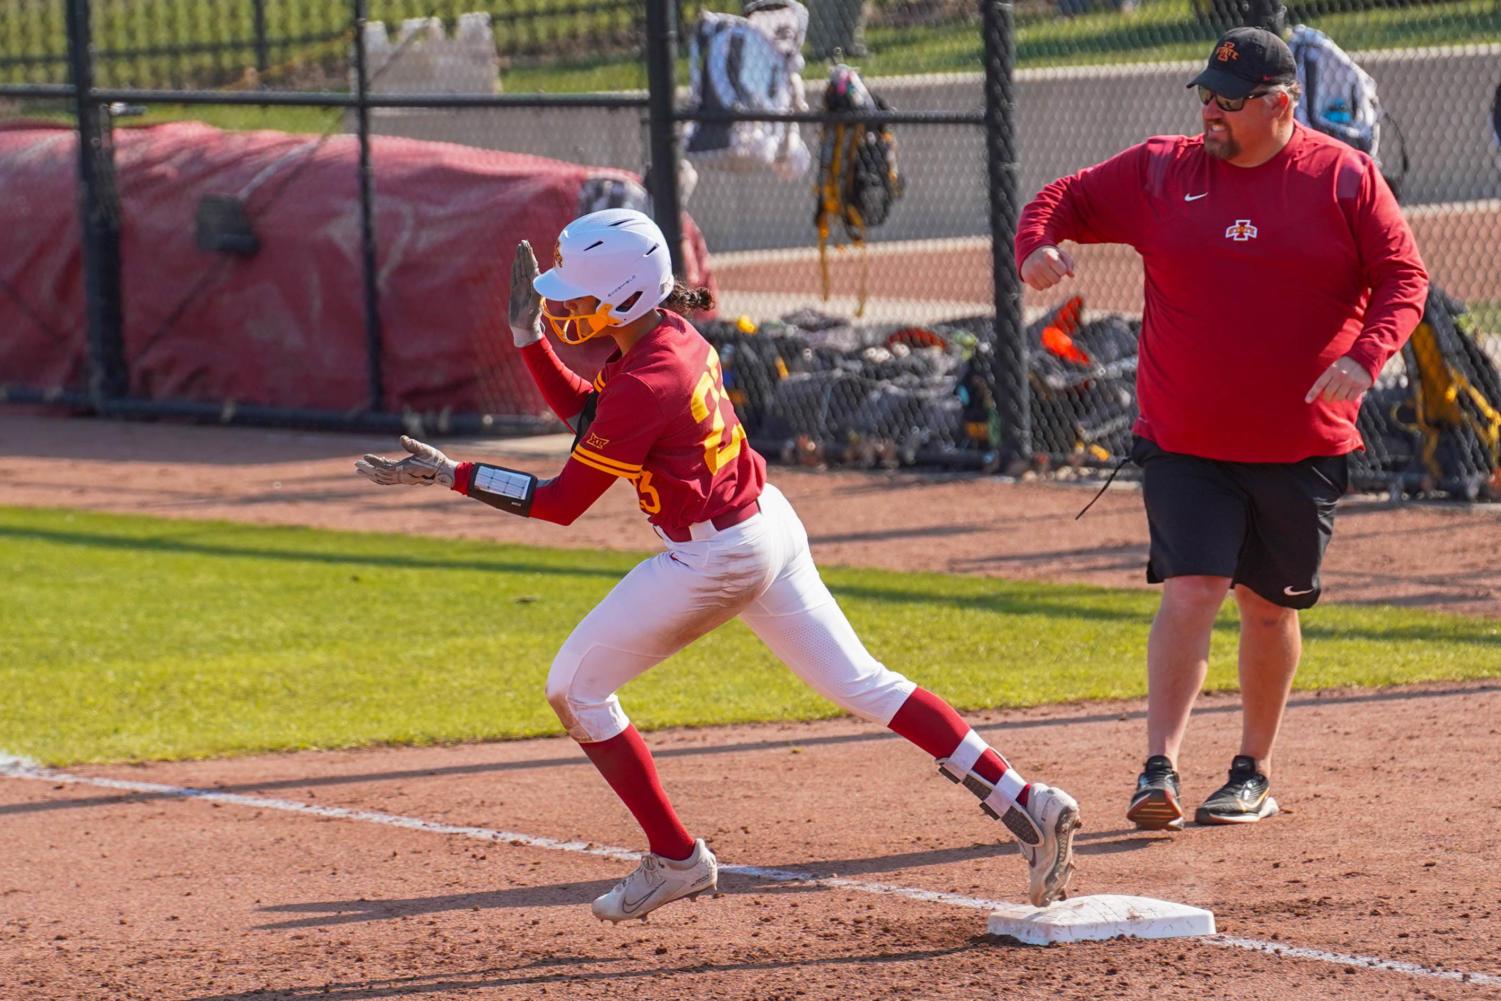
[[572, 329]]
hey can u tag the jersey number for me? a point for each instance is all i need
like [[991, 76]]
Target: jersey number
[[708, 398], [646, 494]]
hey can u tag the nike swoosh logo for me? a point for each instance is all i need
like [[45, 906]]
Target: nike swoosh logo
[[1194, 198], [1293, 594], [629, 906]]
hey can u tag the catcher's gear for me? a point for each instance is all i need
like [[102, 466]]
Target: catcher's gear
[[425, 466], [525, 305], [616, 256]]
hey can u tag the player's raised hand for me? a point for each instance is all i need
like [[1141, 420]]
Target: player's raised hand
[[425, 465], [525, 303], [1046, 266], [1346, 379]]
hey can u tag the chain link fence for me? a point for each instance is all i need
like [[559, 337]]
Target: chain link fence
[[297, 242]]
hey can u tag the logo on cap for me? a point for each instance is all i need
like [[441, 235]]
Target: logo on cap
[[557, 253], [1225, 53]]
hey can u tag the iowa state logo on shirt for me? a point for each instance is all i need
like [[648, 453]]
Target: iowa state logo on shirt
[[1240, 231], [595, 441]]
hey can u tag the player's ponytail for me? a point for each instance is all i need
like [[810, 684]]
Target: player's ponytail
[[683, 299]]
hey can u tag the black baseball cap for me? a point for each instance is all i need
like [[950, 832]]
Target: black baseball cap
[[1244, 59]]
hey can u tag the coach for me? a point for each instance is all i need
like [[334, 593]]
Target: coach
[[1280, 277]]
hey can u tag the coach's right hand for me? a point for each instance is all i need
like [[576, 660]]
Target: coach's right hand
[[525, 304], [1046, 266]]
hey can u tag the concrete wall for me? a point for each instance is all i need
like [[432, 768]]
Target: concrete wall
[[1068, 118]]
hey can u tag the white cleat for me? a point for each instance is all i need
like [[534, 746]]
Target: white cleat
[[1051, 856], [659, 881]]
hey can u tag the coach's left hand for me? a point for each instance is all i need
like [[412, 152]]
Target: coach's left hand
[[425, 466], [1346, 379]]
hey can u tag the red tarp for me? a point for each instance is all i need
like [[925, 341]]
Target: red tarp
[[286, 327]]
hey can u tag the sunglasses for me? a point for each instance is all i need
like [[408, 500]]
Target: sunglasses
[[1229, 103]]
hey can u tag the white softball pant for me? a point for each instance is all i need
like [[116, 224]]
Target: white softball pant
[[760, 570]]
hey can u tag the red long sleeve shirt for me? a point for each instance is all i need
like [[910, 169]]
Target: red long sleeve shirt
[[1257, 279], [662, 422]]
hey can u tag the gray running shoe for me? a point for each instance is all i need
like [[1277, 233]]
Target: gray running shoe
[[1245, 799], [1155, 805], [659, 881]]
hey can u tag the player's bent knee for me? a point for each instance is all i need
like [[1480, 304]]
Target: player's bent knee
[[558, 699], [587, 716], [588, 721], [560, 691]]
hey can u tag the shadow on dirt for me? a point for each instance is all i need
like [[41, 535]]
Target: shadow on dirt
[[577, 970]]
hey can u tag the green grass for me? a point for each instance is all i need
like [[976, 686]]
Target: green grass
[[1158, 31], [558, 51], [135, 638], [243, 119]]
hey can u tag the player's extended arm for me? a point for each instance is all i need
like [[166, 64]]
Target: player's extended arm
[[558, 500], [564, 391]]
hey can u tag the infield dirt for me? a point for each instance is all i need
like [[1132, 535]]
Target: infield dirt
[[1386, 848]]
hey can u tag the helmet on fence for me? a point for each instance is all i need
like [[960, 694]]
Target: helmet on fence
[[617, 256]]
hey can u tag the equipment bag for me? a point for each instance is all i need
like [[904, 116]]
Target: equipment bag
[[1339, 99], [748, 64], [858, 179], [1456, 400]]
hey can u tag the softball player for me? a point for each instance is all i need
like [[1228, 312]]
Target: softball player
[[657, 417]]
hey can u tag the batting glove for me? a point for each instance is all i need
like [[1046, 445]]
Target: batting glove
[[525, 304], [426, 466]]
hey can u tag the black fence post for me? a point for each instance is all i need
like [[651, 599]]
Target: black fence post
[[661, 71], [262, 44], [99, 209], [367, 210], [1012, 392]]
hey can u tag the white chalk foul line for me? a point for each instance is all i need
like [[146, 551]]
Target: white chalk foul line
[[1364, 962], [22, 768]]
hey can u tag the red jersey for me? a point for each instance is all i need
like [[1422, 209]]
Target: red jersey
[[661, 420], [1257, 280]]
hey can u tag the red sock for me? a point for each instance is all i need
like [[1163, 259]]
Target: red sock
[[933, 725], [627, 766]]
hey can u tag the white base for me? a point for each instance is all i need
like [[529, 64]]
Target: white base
[[1101, 916]]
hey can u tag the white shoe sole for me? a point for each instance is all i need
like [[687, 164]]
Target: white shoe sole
[[711, 888], [1269, 808], [1061, 840]]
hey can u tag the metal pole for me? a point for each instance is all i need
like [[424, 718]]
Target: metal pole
[[99, 211], [661, 68], [262, 45], [367, 211], [1012, 392]]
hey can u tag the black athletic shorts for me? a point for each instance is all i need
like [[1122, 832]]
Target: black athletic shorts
[[1262, 524]]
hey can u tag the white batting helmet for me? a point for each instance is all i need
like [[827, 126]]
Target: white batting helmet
[[617, 256]]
